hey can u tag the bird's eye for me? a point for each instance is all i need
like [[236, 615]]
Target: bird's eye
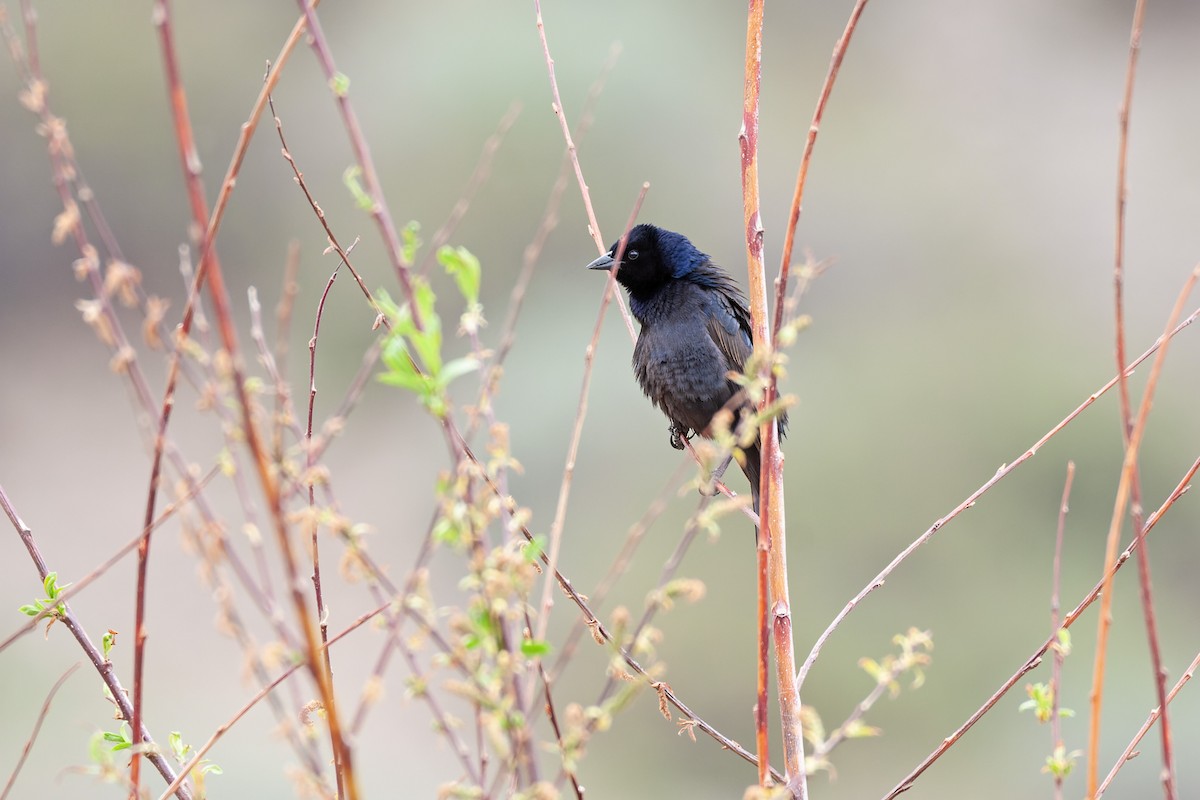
[[632, 255]]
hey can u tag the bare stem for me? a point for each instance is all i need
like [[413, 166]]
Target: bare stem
[[102, 665], [37, 727], [564, 492], [1128, 471], [1146, 593], [1004, 471], [810, 141], [1056, 581], [1131, 750], [225, 325], [1035, 659], [593, 225], [774, 605]]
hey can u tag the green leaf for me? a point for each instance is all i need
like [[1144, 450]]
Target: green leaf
[[427, 342], [464, 267], [401, 371], [534, 550], [533, 648], [410, 241], [49, 584], [446, 532], [457, 368], [340, 83], [30, 610], [96, 751], [351, 178]]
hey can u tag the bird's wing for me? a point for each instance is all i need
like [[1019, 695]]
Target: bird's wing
[[728, 324]]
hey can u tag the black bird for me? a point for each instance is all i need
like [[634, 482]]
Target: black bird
[[695, 331]]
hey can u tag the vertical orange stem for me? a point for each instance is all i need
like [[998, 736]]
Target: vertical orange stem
[[773, 606]]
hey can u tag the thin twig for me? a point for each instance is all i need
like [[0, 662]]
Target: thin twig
[[278, 359], [37, 727], [483, 169], [564, 491], [362, 155], [620, 565], [199, 755], [1056, 740], [810, 141], [690, 531], [78, 586], [842, 732], [1035, 659], [221, 308], [322, 612], [593, 225], [1128, 469], [602, 634], [551, 715], [199, 206], [546, 225], [1146, 593], [1131, 750], [103, 666], [344, 254], [1001, 473]]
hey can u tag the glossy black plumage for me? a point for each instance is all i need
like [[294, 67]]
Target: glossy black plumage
[[695, 331]]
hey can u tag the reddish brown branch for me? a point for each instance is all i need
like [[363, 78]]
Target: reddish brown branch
[[1144, 580], [1128, 470], [37, 727], [593, 225], [479, 176], [546, 225], [1056, 582], [564, 491], [633, 539], [220, 300], [1004, 471], [1035, 659], [810, 141], [199, 755], [599, 631], [103, 666], [78, 586], [771, 551], [748, 142], [1131, 750], [362, 154]]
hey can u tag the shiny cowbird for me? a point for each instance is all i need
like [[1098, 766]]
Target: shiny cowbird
[[695, 331]]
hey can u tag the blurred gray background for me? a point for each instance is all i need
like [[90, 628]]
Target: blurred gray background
[[963, 182]]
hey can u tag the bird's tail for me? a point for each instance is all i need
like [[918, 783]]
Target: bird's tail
[[753, 470]]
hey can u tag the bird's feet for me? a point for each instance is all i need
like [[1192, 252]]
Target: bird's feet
[[709, 487], [678, 435]]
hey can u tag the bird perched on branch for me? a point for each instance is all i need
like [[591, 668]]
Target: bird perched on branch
[[695, 331]]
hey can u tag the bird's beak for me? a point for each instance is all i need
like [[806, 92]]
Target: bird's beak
[[604, 262]]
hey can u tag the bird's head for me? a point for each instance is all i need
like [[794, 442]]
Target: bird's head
[[652, 258]]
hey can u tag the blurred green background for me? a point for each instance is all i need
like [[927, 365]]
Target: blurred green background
[[964, 185]]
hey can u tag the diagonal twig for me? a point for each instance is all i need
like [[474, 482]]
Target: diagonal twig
[[1035, 659], [969, 502], [37, 727]]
